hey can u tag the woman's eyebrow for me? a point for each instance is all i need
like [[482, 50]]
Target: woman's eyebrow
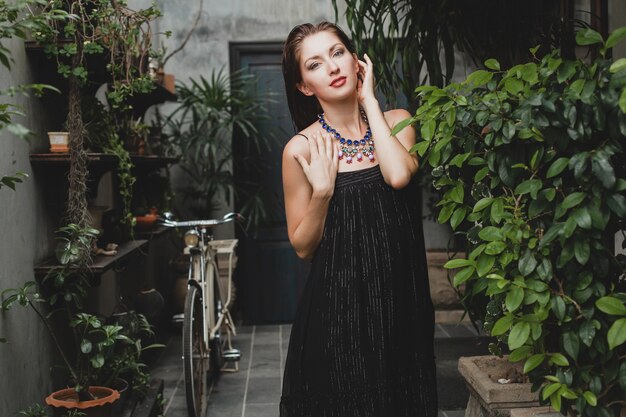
[[317, 56]]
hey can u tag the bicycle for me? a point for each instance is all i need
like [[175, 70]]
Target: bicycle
[[206, 311]]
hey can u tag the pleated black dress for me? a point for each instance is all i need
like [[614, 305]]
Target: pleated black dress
[[361, 344]]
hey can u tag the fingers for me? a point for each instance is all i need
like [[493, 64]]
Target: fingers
[[313, 146], [302, 161], [328, 142], [336, 156]]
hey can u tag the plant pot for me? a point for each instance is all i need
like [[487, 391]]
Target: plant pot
[[120, 385], [169, 83], [59, 142], [149, 303], [489, 398], [67, 399]]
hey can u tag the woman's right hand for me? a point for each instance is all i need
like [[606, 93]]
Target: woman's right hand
[[321, 171]]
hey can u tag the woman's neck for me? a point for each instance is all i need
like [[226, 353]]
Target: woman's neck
[[344, 118]]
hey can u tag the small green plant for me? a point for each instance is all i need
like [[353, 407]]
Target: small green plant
[[531, 164]]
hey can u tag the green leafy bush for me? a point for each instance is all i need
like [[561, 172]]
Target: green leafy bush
[[530, 163]]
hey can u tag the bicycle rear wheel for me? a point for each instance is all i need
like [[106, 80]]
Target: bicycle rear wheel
[[194, 354]]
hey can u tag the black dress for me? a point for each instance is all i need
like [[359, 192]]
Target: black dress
[[361, 344]]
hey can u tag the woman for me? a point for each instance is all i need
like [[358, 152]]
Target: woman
[[362, 340]]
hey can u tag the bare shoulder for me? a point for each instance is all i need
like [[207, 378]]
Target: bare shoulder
[[299, 144], [395, 116]]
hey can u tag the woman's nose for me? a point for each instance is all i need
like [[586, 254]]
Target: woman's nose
[[332, 66]]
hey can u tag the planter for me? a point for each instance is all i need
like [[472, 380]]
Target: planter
[[67, 399], [489, 397], [169, 83], [59, 142]]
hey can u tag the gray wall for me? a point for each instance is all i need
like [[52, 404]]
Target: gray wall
[[25, 238]]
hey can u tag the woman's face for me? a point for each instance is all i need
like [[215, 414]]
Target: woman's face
[[329, 71]]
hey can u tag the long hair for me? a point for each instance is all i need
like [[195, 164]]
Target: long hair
[[304, 109]]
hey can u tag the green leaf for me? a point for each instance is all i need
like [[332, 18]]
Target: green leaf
[[588, 37], [566, 71], [550, 389], [482, 204], [555, 401], [446, 212], [559, 359], [457, 217], [617, 203], [458, 263], [513, 86], [617, 333], [603, 170], [557, 167], [558, 307], [527, 263], [533, 362], [615, 37], [519, 334], [590, 397], [587, 332], [514, 298], [484, 264], [85, 346], [582, 217], [502, 325], [571, 344], [490, 234], [520, 353], [495, 248], [428, 129], [492, 64], [618, 65], [581, 251], [497, 210], [622, 100], [573, 200], [529, 186], [97, 361], [479, 78], [400, 126], [611, 305], [508, 130], [463, 275]]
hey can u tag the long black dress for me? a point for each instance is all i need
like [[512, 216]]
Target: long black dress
[[361, 344]]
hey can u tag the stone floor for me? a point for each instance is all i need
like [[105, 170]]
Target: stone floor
[[254, 391]]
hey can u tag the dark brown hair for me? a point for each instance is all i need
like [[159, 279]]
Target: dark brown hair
[[304, 109]]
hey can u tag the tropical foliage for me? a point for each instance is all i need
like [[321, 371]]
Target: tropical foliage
[[531, 164]]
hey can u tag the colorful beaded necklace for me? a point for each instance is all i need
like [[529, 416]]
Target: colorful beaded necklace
[[352, 148]]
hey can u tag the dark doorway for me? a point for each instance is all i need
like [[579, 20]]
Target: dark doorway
[[269, 275]]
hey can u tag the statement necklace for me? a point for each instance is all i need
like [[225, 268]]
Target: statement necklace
[[352, 148]]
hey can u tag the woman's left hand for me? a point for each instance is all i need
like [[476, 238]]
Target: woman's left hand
[[365, 86]]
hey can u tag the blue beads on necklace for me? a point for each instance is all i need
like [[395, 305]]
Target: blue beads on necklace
[[351, 149]]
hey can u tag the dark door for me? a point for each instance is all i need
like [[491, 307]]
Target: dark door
[[269, 275]]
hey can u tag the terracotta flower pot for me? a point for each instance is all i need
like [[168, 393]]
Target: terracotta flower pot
[[59, 142], [67, 399]]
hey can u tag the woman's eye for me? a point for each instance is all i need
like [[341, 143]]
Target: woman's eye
[[313, 65], [338, 52]]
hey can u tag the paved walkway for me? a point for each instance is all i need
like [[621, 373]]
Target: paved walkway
[[254, 391]]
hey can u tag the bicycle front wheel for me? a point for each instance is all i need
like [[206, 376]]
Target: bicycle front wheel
[[194, 354]]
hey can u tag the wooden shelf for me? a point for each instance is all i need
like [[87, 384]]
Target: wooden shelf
[[101, 263]]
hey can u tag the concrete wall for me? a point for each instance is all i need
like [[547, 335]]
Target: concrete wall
[[25, 238]]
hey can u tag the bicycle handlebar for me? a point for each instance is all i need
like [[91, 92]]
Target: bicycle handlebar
[[228, 217]]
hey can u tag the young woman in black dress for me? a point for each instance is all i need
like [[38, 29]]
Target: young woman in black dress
[[361, 344]]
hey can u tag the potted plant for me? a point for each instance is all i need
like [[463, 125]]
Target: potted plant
[[530, 162], [200, 132], [94, 341]]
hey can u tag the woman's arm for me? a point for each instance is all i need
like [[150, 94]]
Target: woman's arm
[[309, 172], [396, 163]]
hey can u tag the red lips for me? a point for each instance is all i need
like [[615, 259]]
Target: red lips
[[338, 82]]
